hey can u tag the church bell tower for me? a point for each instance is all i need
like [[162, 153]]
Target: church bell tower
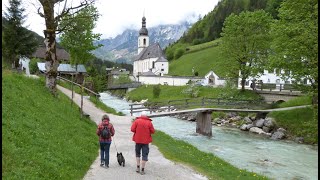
[[143, 39]]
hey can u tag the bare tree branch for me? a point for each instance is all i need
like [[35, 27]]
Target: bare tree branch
[[67, 11], [40, 13]]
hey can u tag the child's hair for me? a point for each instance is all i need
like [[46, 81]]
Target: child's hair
[[105, 117]]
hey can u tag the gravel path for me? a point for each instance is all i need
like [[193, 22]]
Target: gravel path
[[158, 167]]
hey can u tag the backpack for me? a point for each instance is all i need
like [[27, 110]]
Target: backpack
[[105, 133]]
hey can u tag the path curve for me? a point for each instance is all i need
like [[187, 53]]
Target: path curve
[[158, 167]]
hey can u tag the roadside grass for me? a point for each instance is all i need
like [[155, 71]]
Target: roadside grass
[[43, 137], [205, 163], [93, 99], [105, 108], [298, 122]]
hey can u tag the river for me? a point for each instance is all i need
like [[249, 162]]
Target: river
[[281, 160]]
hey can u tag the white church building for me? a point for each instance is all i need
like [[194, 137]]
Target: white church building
[[151, 59]]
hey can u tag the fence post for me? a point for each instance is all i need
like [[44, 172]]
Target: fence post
[[203, 99], [81, 100], [169, 106], [72, 90], [131, 109]]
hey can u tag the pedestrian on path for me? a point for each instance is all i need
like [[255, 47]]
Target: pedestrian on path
[[142, 128], [105, 131]]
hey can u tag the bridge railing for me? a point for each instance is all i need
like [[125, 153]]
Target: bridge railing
[[192, 103], [277, 87]]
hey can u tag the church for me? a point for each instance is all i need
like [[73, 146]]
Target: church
[[151, 60]]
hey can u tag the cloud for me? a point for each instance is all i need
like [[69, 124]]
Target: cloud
[[117, 15]]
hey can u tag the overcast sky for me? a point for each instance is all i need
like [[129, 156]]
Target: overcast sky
[[117, 15]]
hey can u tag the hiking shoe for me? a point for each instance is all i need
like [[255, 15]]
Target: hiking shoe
[[107, 166], [142, 173], [138, 170], [101, 164]]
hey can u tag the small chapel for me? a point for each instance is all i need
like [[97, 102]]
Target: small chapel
[[151, 60]]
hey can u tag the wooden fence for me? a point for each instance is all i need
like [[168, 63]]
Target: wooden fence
[[193, 103], [81, 88]]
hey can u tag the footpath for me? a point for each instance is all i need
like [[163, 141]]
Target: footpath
[[158, 167]]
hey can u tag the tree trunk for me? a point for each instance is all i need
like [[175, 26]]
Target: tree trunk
[[50, 43], [243, 81], [52, 62]]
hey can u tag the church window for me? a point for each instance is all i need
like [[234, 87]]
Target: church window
[[162, 69], [144, 41], [153, 64]]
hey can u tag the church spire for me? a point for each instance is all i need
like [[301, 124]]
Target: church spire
[[143, 30]]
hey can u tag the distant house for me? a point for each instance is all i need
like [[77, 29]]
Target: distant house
[[62, 55], [212, 79], [270, 77], [150, 58], [67, 70]]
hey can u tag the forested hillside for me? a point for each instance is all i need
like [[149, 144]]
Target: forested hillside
[[210, 26]]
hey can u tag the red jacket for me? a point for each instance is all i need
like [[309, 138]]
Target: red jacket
[[142, 128], [100, 127]]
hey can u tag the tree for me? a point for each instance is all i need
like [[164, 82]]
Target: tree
[[52, 22], [245, 43], [295, 42], [78, 38], [17, 40]]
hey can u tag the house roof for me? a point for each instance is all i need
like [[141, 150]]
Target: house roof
[[161, 59], [41, 53], [152, 51], [65, 68]]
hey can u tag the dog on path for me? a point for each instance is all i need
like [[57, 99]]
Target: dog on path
[[121, 159]]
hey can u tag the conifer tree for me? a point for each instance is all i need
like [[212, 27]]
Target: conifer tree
[[17, 40]]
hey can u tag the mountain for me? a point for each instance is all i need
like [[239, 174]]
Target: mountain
[[124, 47]]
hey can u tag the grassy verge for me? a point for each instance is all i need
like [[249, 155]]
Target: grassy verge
[[43, 137], [93, 99], [175, 92], [105, 108], [205, 163], [298, 122]]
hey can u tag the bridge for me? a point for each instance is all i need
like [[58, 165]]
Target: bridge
[[123, 86], [278, 96], [203, 118]]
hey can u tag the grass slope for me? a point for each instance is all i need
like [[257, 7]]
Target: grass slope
[[43, 137], [202, 60], [298, 122]]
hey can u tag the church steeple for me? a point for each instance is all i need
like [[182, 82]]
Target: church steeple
[[143, 30], [143, 39]]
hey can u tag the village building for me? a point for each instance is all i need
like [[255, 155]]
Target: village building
[[62, 55], [271, 77], [151, 59]]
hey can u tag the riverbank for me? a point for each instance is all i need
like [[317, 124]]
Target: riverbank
[[300, 125], [276, 159]]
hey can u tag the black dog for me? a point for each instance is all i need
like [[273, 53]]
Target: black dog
[[121, 159]]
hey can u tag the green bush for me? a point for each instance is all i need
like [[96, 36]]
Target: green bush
[[178, 53], [156, 91], [170, 54], [33, 67]]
